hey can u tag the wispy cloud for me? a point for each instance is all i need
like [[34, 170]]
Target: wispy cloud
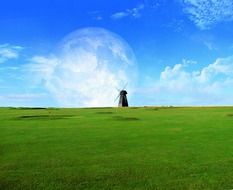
[[206, 39], [206, 13], [210, 45], [181, 85], [134, 13], [8, 52], [176, 25], [96, 15]]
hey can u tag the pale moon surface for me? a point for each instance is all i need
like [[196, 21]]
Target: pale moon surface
[[87, 67]]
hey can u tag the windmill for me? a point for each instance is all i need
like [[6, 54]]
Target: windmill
[[123, 102]]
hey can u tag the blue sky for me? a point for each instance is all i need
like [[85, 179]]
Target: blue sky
[[183, 52]]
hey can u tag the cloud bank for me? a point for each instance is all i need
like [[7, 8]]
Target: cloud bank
[[86, 69], [89, 64], [181, 85]]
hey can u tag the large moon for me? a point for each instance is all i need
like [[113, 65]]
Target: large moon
[[87, 67]]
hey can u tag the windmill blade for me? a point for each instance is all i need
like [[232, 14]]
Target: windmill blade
[[117, 89], [125, 86], [117, 98]]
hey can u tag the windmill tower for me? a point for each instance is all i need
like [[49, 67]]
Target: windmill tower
[[123, 102]]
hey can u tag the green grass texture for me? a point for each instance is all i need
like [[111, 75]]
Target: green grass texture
[[165, 148]]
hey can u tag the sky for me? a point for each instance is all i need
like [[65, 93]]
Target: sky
[[79, 53]]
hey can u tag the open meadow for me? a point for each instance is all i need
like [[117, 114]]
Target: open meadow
[[150, 148]]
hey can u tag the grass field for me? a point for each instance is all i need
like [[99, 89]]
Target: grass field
[[112, 148]]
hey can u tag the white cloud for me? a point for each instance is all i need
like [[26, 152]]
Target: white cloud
[[206, 13], [134, 12], [88, 66], [8, 52], [180, 85]]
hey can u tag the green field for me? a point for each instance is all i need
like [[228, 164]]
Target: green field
[[113, 148]]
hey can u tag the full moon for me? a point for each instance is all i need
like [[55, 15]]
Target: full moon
[[88, 66]]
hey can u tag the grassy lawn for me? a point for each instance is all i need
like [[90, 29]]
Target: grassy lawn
[[112, 148]]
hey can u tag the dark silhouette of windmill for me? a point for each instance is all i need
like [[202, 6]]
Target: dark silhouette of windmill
[[123, 102]]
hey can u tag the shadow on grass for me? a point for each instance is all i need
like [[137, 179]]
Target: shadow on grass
[[43, 117], [97, 108], [134, 108], [152, 109], [122, 118], [105, 112], [27, 108]]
